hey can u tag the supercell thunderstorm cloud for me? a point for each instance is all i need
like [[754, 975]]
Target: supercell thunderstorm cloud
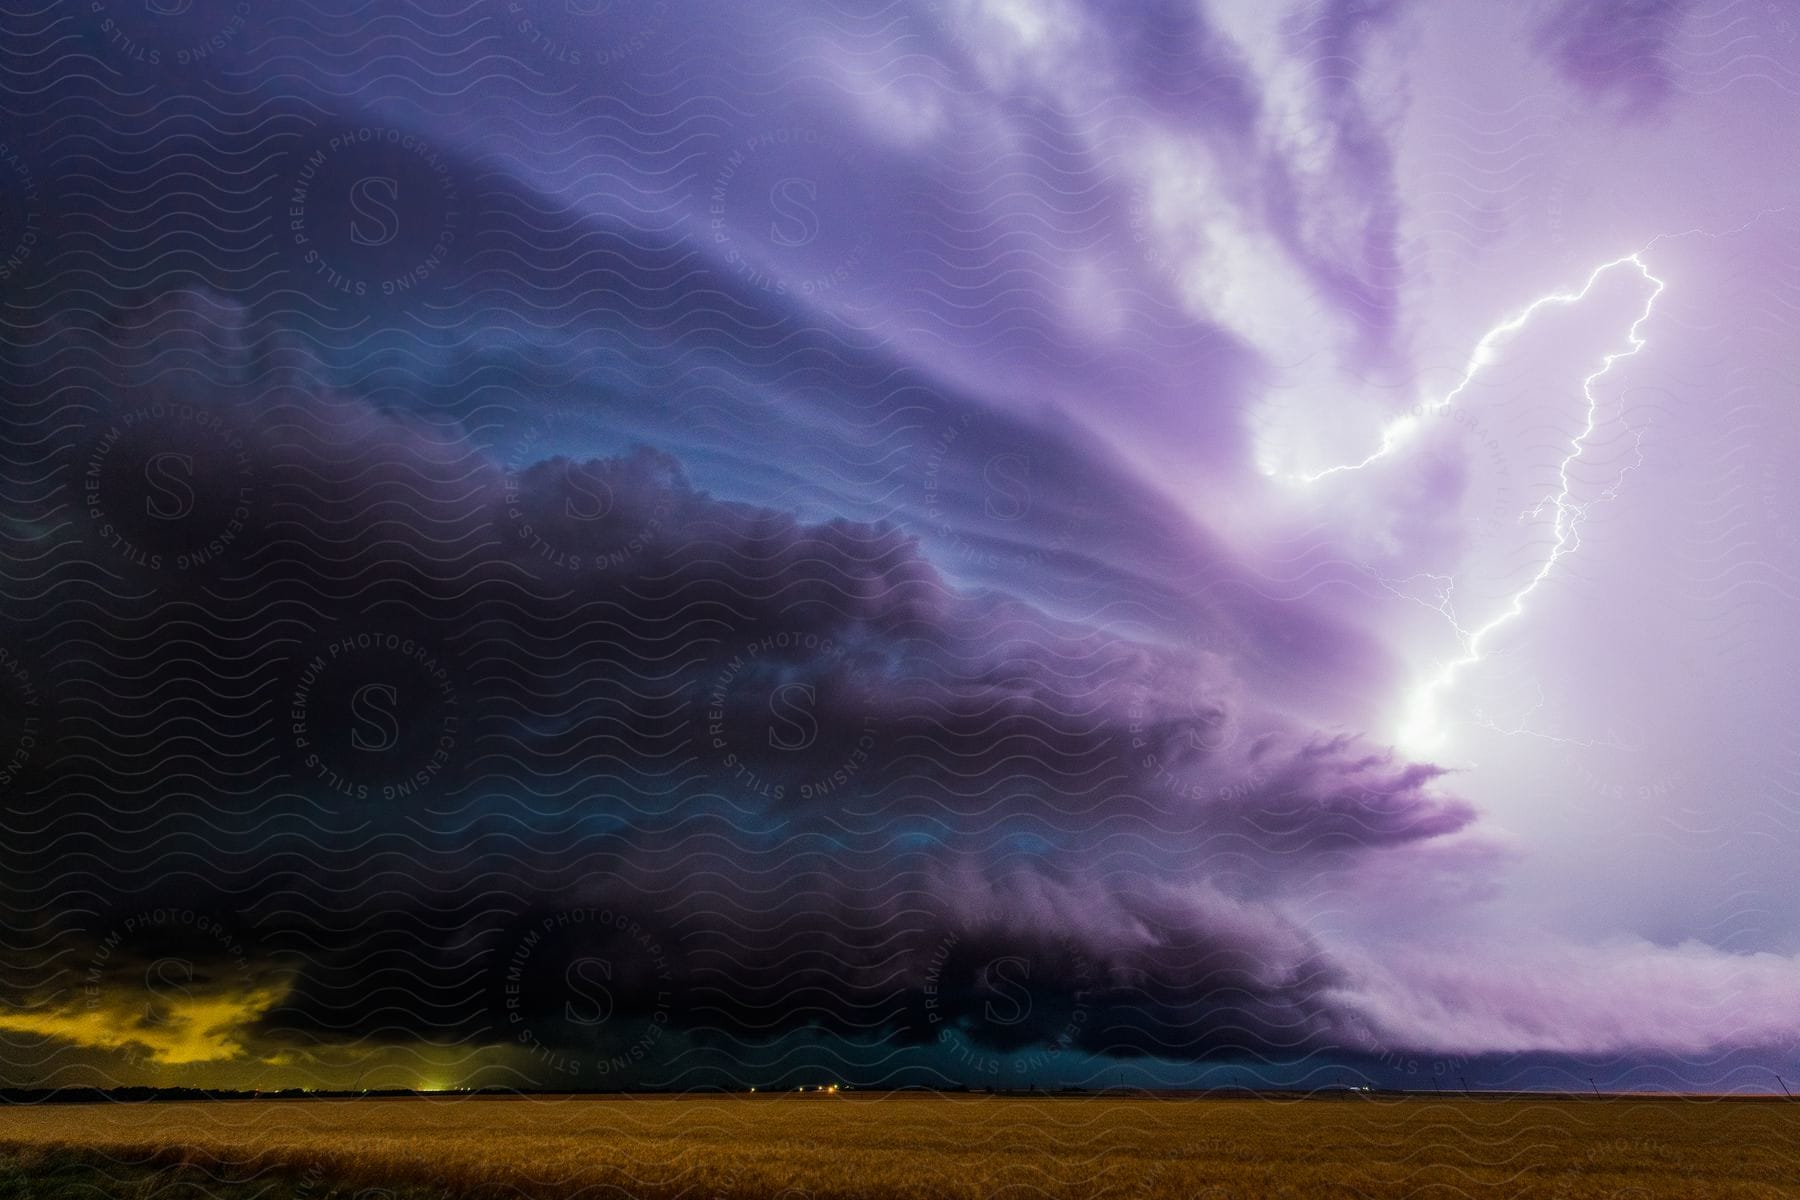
[[685, 544]]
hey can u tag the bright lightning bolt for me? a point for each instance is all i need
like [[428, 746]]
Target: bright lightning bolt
[[1421, 730], [1484, 353]]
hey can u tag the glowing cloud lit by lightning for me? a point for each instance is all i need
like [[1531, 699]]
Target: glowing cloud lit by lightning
[[1421, 730]]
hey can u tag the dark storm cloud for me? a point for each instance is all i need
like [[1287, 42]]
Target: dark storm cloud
[[704, 526], [1616, 52], [1364, 276], [604, 221], [476, 751]]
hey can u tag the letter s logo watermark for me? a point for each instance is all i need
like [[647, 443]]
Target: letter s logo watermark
[[374, 200], [587, 497], [1008, 477], [169, 475], [171, 977], [797, 220], [587, 979], [376, 707], [792, 706], [1006, 978]]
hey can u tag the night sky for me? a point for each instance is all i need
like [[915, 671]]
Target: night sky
[[680, 544]]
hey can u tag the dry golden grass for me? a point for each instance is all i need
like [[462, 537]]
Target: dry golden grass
[[974, 1147]]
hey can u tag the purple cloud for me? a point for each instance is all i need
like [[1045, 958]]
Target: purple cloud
[[1617, 52]]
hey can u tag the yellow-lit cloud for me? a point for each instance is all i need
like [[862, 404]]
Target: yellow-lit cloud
[[175, 1030]]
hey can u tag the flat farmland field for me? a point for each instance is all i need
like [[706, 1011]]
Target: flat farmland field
[[864, 1147]]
